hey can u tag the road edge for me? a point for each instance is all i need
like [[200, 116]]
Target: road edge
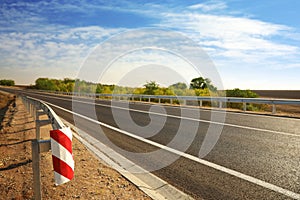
[[153, 186]]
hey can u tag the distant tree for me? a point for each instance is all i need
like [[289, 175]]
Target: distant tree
[[7, 82], [41, 83], [139, 91], [202, 83], [47, 84], [151, 87], [99, 89], [179, 85], [241, 93]]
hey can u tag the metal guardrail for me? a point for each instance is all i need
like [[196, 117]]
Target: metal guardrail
[[36, 109], [35, 106], [184, 99]]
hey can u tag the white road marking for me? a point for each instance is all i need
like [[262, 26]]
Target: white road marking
[[185, 118], [240, 175]]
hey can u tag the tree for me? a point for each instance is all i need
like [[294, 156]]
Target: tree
[[151, 87], [47, 84], [7, 82], [179, 85], [202, 83], [99, 89]]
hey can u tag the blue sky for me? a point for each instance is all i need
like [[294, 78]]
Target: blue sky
[[253, 44]]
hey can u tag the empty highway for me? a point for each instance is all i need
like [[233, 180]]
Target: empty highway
[[255, 156]]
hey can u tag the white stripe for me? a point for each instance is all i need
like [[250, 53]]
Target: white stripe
[[187, 118], [62, 153], [201, 161], [67, 131], [60, 179]]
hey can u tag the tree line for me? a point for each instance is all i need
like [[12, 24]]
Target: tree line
[[149, 88], [198, 87]]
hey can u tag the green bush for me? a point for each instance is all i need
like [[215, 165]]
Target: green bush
[[7, 82], [243, 94]]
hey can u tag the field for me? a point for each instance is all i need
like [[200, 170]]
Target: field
[[284, 94]]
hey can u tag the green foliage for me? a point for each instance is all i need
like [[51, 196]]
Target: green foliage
[[179, 85], [241, 93], [151, 87], [244, 94], [179, 89], [70, 85], [139, 91], [46, 84], [121, 90], [202, 83], [65, 85], [202, 92], [83, 86], [99, 89], [7, 82]]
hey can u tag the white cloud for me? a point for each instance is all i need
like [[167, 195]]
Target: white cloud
[[43, 52], [218, 26], [233, 37], [209, 6]]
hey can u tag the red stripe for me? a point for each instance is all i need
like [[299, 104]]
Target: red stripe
[[62, 168], [62, 139]]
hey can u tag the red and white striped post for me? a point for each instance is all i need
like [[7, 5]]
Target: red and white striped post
[[62, 157]]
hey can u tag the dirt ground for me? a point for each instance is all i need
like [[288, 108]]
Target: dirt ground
[[93, 179]]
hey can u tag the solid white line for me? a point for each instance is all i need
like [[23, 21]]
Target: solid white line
[[191, 157], [185, 118]]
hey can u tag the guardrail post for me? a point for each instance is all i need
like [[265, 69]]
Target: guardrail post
[[149, 99], [220, 104], [200, 103], [244, 106], [171, 101], [36, 149], [39, 123], [37, 126], [27, 105], [273, 109], [30, 109], [158, 100], [36, 170], [34, 112]]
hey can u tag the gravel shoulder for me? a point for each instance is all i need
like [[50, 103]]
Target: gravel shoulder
[[93, 179]]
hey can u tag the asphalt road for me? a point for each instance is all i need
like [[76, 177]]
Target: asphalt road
[[263, 150]]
